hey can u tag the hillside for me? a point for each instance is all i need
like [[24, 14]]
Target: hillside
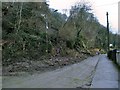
[[38, 38]]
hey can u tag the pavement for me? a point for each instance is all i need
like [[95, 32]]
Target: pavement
[[106, 74]]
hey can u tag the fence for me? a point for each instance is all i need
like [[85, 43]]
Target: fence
[[114, 55], [118, 57]]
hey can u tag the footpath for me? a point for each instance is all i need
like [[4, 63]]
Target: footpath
[[106, 74]]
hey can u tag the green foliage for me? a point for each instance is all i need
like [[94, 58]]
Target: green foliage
[[24, 31], [32, 30]]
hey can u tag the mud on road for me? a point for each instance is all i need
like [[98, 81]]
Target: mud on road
[[26, 66], [73, 76]]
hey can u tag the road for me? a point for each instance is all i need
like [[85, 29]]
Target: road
[[77, 75]]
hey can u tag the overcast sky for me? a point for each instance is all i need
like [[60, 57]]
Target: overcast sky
[[100, 7]]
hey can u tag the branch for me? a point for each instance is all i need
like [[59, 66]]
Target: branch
[[20, 16]]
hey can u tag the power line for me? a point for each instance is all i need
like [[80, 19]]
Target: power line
[[107, 4], [95, 6]]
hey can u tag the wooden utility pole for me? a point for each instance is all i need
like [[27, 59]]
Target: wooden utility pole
[[108, 32]]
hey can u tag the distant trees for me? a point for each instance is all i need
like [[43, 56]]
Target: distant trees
[[83, 31], [81, 27]]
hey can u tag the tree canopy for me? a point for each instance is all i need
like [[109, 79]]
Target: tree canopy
[[31, 30]]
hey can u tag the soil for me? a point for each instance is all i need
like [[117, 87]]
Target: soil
[[41, 65]]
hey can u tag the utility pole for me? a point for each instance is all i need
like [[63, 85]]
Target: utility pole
[[108, 32]]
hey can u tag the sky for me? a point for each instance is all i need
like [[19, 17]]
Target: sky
[[100, 7]]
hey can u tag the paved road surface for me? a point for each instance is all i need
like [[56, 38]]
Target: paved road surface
[[77, 75]]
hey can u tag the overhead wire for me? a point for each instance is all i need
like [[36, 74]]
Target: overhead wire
[[107, 4]]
